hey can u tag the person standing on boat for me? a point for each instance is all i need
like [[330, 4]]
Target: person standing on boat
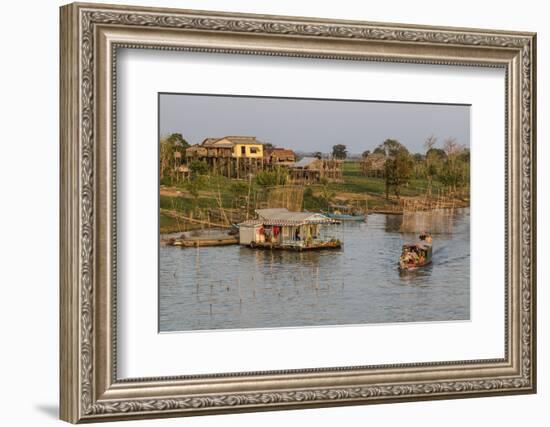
[[297, 234], [426, 237]]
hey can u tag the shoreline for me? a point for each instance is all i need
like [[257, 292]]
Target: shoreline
[[165, 231]]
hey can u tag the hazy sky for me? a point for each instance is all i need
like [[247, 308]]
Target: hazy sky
[[312, 125]]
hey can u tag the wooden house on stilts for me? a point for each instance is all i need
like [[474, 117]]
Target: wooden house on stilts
[[231, 156], [311, 170]]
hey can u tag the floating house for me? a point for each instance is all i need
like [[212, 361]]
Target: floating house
[[279, 228]]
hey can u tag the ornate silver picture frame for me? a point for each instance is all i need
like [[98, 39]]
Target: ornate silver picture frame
[[91, 390]]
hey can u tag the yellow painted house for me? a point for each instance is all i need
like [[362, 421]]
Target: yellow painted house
[[231, 156], [243, 146]]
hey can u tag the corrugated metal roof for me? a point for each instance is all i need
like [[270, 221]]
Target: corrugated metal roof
[[282, 216], [305, 162], [217, 142], [243, 140]]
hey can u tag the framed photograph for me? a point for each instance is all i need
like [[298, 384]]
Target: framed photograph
[[266, 213]]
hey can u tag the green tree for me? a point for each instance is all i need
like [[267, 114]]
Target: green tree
[[339, 151], [172, 150], [430, 169], [327, 193], [455, 171], [397, 171], [390, 147], [194, 186], [271, 178], [177, 140], [436, 154], [166, 156], [398, 166], [419, 165], [435, 157], [198, 167]]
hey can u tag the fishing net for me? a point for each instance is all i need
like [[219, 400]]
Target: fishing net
[[434, 221], [290, 197]]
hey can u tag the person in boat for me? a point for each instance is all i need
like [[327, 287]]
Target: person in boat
[[411, 257], [297, 234], [426, 237]]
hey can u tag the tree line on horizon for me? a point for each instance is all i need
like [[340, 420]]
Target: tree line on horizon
[[450, 165]]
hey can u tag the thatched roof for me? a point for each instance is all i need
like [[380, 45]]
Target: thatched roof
[[280, 152]]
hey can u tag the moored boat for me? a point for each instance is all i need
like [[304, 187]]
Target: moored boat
[[346, 217], [203, 238], [345, 213], [202, 242], [416, 255]]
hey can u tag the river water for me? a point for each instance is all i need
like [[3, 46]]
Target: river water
[[235, 287]]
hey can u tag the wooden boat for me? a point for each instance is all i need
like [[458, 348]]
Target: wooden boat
[[416, 255], [345, 213], [346, 217], [195, 242]]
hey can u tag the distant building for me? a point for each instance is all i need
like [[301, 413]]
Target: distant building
[[279, 157], [311, 170], [232, 156]]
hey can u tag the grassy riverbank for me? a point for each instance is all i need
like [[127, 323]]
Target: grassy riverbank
[[234, 198]]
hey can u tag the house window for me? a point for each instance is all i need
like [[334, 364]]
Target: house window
[[243, 150], [253, 150]]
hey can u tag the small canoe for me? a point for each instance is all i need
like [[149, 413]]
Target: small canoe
[[204, 241], [346, 217]]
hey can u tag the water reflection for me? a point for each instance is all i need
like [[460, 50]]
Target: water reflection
[[393, 223], [416, 277], [236, 287]]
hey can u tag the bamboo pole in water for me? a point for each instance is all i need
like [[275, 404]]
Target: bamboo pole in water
[[220, 205], [248, 196], [177, 219], [191, 219]]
